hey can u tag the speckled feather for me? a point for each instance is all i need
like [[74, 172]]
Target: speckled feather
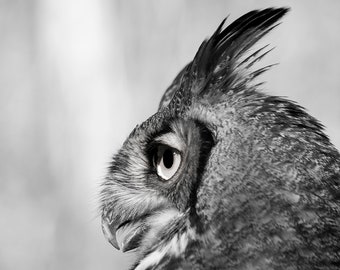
[[259, 184]]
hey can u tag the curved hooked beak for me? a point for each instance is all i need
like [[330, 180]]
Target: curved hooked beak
[[124, 235], [109, 230]]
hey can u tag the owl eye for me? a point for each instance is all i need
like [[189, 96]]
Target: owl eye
[[166, 161]]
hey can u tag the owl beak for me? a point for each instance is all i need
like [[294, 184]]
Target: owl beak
[[123, 236], [109, 230]]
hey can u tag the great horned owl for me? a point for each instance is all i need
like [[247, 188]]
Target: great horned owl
[[224, 176]]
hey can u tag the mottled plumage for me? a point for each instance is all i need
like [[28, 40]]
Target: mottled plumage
[[224, 176]]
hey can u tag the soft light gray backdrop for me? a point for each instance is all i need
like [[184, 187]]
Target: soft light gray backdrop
[[75, 78]]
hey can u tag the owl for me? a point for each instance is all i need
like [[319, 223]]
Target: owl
[[223, 175]]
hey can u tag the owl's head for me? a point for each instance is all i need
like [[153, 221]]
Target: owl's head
[[207, 153]]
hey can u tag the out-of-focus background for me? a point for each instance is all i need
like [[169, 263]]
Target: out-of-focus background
[[75, 78]]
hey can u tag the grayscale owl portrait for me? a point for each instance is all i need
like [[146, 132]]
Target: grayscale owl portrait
[[224, 176]]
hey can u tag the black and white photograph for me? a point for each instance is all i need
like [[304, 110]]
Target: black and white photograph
[[182, 134]]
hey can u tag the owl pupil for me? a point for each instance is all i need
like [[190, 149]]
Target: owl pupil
[[168, 158]]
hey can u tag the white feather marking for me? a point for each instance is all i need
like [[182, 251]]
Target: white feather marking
[[171, 139], [175, 247], [164, 217], [152, 259], [157, 222], [178, 244]]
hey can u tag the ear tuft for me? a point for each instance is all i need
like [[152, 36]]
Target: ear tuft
[[221, 62]]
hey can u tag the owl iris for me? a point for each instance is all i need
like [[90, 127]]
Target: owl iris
[[223, 175], [166, 161]]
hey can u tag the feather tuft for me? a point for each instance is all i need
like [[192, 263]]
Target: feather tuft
[[221, 63]]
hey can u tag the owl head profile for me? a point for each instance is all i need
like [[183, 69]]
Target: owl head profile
[[224, 176]]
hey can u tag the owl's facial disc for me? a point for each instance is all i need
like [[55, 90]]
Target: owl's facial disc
[[153, 185]]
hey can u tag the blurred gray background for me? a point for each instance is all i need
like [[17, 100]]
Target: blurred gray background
[[77, 75]]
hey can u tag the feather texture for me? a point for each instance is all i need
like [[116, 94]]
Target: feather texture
[[256, 182]]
